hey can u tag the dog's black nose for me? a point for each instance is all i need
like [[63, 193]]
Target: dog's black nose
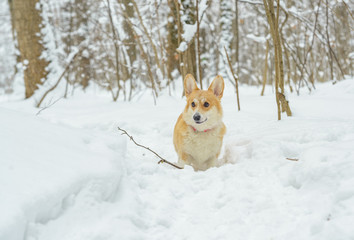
[[196, 117]]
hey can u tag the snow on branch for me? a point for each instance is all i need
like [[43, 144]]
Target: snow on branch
[[191, 29]]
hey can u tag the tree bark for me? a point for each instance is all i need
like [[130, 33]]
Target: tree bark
[[172, 41], [273, 20], [27, 20]]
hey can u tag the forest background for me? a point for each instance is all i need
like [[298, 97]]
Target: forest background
[[68, 173], [129, 46]]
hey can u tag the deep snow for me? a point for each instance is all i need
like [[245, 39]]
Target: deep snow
[[69, 174]]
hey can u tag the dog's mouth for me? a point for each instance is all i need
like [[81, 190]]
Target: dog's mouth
[[200, 122]]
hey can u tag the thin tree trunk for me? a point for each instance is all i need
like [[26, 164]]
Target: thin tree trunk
[[271, 21], [198, 47], [116, 49], [328, 44], [162, 67], [288, 67], [265, 71], [129, 41], [235, 78], [180, 54], [82, 71], [282, 103], [172, 42], [237, 40]]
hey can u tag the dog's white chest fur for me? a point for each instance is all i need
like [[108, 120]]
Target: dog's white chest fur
[[202, 147]]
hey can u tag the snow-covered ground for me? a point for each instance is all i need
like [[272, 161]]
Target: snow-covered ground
[[68, 174]]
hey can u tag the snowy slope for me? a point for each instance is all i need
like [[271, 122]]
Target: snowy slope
[[45, 167], [256, 193]]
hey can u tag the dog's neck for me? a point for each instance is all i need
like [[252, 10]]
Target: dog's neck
[[205, 130]]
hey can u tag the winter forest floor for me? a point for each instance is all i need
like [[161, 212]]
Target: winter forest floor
[[68, 174]]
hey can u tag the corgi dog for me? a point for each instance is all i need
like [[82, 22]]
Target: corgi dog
[[199, 131]]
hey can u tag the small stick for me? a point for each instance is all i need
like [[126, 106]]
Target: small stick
[[162, 160], [51, 104], [293, 159]]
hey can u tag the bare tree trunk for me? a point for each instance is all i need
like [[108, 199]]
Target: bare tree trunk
[[163, 61], [265, 71], [181, 55], [271, 20], [330, 50], [330, 58], [13, 31], [198, 47], [237, 40], [83, 73], [235, 78], [131, 47], [116, 50], [288, 67], [282, 103], [172, 41], [27, 20], [179, 40], [285, 49], [189, 54]]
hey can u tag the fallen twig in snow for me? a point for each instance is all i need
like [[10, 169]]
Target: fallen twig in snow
[[293, 159], [48, 106], [162, 160]]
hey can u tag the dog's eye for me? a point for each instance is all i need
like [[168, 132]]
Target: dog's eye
[[193, 104], [206, 104]]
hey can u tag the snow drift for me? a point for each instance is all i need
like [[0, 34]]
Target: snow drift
[[68, 174]]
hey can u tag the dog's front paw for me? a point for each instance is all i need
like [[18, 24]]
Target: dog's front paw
[[181, 163]]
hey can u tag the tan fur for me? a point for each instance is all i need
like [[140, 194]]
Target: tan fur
[[196, 144]]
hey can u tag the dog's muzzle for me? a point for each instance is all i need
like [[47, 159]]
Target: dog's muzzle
[[198, 118]]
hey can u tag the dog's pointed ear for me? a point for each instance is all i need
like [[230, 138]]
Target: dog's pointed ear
[[189, 84], [217, 86]]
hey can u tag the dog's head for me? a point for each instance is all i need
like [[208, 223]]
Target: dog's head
[[203, 110]]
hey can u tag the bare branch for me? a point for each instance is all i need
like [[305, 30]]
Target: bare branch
[[48, 106], [147, 35], [162, 160], [251, 2], [311, 45], [144, 55], [61, 76], [349, 11], [116, 52]]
